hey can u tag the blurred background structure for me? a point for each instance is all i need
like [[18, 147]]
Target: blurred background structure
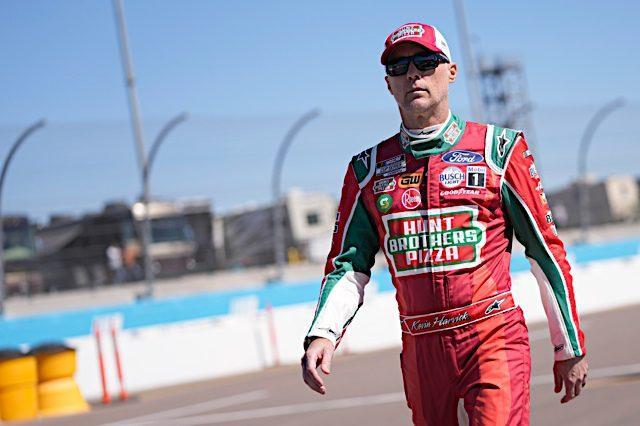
[[226, 226]]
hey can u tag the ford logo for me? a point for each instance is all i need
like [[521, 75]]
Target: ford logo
[[462, 157]]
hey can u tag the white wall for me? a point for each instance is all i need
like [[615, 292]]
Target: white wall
[[204, 349]]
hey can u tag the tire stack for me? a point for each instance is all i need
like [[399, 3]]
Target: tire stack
[[18, 385], [58, 392]]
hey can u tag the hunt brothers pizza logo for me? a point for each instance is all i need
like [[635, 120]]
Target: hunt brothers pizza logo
[[443, 239]]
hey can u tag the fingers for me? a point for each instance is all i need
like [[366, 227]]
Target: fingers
[[570, 388], [325, 366], [557, 379], [577, 387], [309, 373]]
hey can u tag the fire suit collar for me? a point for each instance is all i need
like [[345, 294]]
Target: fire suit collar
[[432, 140]]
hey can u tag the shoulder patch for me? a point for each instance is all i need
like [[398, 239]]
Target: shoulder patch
[[364, 165], [498, 144]]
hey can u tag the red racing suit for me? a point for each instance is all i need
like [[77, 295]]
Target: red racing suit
[[444, 212]]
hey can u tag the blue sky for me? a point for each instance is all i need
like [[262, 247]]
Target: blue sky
[[246, 70]]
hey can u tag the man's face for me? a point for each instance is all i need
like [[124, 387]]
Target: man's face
[[419, 92]]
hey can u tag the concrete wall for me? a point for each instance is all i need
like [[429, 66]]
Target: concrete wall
[[238, 342]]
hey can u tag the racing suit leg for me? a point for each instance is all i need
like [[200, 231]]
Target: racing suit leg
[[429, 376], [486, 365], [496, 371]]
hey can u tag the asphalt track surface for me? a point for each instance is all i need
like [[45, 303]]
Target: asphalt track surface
[[367, 389]]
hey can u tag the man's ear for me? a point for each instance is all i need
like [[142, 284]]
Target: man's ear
[[453, 72], [386, 78]]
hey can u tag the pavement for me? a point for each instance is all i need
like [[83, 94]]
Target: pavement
[[367, 389]]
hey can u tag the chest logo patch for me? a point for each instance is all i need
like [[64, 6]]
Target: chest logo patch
[[452, 177], [462, 157], [411, 180], [411, 198], [476, 176], [442, 239], [392, 166], [384, 185], [384, 203]]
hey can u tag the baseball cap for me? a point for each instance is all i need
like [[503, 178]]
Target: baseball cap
[[414, 32]]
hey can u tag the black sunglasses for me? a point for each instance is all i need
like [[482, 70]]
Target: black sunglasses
[[422, 61]]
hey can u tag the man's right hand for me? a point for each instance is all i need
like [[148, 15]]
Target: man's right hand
[[319, 353]]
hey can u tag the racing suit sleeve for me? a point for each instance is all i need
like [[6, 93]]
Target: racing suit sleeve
[[348, 267], [526, 206]]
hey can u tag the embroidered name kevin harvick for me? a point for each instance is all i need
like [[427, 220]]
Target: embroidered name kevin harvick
[[445, 239]]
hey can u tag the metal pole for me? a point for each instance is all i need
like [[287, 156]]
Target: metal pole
[[139, 139], [171, 124], [471, 72], [146, 197], [278, 205], [585, 143], [25, 134]]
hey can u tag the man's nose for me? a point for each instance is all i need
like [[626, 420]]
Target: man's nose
[[413, 73]]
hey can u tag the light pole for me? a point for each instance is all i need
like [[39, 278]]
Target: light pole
[[146, 198], [171, 124], [585, 143], [23, 137], [278, 205], [137, 135]]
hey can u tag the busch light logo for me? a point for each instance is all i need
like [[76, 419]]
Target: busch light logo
[[451, 177], [462, 157]]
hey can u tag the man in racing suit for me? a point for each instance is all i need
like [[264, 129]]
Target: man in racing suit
[[443, 198]]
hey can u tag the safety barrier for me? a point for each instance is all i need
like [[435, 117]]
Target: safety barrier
[[58, 392], [214, 334], [39, 383], [63, 325], [18, 381]]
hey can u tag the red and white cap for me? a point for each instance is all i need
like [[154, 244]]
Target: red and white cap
[[413, 32]]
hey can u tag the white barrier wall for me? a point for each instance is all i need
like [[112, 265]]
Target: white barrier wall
[[222, 346]]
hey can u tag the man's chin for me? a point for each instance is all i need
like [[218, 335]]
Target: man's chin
[[418, 105]]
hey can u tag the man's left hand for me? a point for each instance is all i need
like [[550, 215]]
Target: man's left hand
[[573, 374]]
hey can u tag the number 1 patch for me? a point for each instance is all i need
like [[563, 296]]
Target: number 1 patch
[[476, 176]]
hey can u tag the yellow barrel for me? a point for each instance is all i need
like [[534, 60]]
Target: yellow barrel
[[55, 361], [58, 392], [59, 397], [15, 368], [18, 379], [19, 402]]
